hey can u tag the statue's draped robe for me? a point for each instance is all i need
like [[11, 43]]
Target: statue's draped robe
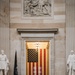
[[3, 62], [70, 63]]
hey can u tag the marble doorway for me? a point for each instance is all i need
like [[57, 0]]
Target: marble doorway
[[36, 37]]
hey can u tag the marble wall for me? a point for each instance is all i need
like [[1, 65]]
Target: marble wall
[[4, 26], [64, 40], [58, 21], [70, 26], [60, 56], [16, 14]]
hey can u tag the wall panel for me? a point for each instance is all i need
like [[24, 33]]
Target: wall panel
[[70, 26], [58, 21], [4, 26]]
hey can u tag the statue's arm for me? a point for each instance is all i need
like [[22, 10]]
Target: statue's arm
[[7, 60], [68, 60]]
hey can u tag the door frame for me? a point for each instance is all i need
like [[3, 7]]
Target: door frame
[[38, 37]]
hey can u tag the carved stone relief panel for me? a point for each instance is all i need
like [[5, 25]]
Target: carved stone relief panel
[[37, 8]]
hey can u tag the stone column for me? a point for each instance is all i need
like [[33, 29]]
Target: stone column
[[70, 26], [23, 57], [51, 57], [4, 26]]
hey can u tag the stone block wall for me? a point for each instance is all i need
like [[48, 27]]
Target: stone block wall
[[58, 21], [4, 26], [70, 26], [64, 40]]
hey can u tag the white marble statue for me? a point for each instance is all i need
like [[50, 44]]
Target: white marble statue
[[4, 63], [71, 63]]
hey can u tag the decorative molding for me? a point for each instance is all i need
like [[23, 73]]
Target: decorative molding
[[51, 55], [37, 9], [37, 35], [45, 34], [52, 30]]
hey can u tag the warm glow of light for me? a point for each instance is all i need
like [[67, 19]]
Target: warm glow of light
[[34, 45]]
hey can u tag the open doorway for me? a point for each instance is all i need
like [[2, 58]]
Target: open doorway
[[37, 58]]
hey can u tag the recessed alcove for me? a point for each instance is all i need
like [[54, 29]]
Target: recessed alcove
[[45, 39], [37, 54]]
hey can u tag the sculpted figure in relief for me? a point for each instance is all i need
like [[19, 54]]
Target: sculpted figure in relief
[[32, 8]]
